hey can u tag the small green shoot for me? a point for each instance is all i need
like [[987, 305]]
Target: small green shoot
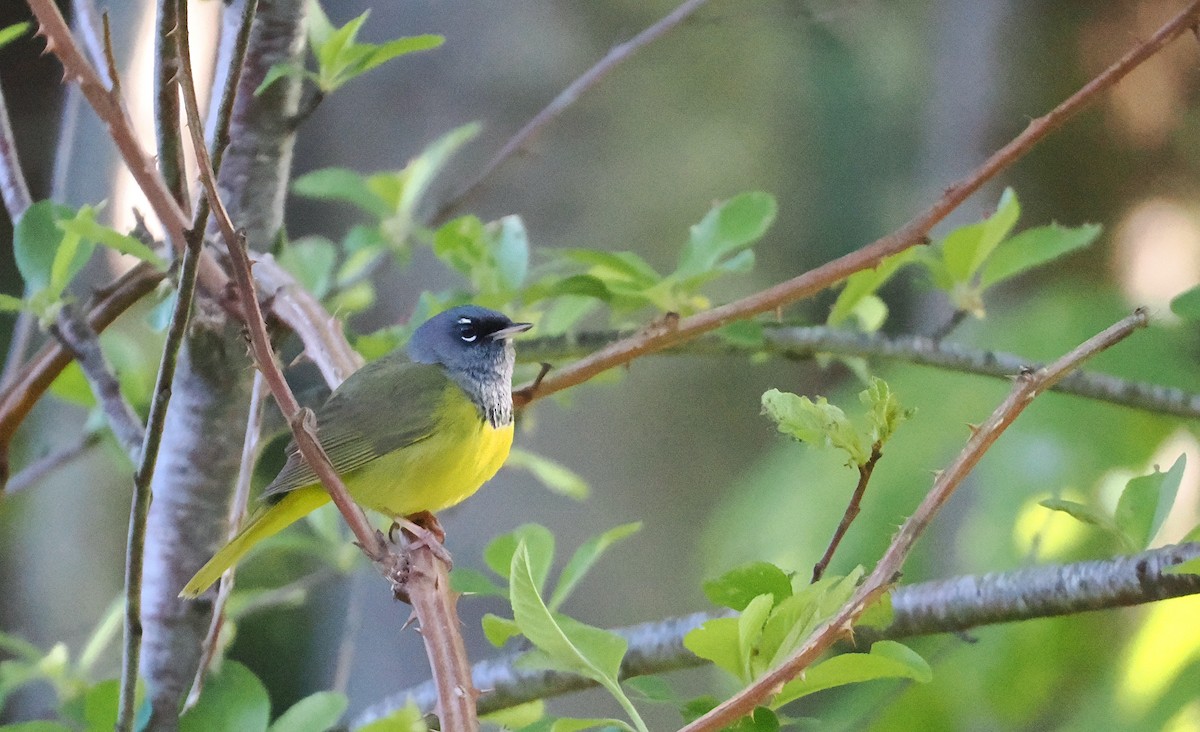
[[822, 424], [339, 56], [1140, 511]]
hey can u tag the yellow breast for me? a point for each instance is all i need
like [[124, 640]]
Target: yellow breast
[[463, 452]]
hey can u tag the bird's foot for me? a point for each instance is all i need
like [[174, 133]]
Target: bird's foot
[[422, 530]]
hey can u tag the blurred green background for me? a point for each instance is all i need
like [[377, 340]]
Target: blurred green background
[[854, 115]]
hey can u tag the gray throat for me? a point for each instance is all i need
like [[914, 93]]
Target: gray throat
[[490, 388]]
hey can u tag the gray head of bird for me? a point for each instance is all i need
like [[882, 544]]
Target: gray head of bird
[[467, 340]]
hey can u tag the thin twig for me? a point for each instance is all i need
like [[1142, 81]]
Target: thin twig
[[13, 188], [864, 477], [657, 338], [73, 332], [136, 544], [40, 468], [40, 371], [1029, 384], [237, 511], [950, 605], [568, 96], [168, 138]]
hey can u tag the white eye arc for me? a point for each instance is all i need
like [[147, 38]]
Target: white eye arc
[[469, 338], [465, 321]]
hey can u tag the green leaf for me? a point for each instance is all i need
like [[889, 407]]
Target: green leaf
[[36, 240], [716, 640], [10, 33], [511, 252], [739, 586], [11, 304], [319, 27], [584, 558], [760, 720], [861, 285], [234, 700], [498, 630], [818, 423], [384, 52], [1033, 248], [884, 411], [100, 705], [421, 170], [539, 542], [887, 660], [1187, 304], [314, 713], [1089, 515], [555, 476], [751, 622], [341, 184], [624, 270], [85, 226], [517, 717], [651, 688], [311, 261], [567, 643], [281, 71], [467, 581], [328, 53], [725, 230], [1145, 503], [965, 249]]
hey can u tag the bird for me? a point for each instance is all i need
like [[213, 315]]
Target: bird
[[417, 430]]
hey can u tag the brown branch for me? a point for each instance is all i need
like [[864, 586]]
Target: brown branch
[[565, 99], [864, 477], [1029, 384], [657, 338]]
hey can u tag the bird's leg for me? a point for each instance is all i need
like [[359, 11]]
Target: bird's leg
[[426, 531]]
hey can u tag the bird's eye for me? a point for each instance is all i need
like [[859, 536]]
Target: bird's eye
[[466, 330]]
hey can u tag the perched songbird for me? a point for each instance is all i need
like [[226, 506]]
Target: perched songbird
[[409, 432]]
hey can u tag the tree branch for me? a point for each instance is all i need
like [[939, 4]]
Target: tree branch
[[73, 332], [1029, 384], [13, 188], [941, 606], [657, 337], [807, 342]]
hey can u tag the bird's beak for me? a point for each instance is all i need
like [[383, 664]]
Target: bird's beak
[[510, 331]]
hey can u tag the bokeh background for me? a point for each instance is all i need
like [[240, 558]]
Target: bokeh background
[[854, 115]]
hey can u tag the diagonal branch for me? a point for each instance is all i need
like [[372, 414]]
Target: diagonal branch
[[566, 98], [1029, 384], [806, 342], [73, 332], [674, 331]]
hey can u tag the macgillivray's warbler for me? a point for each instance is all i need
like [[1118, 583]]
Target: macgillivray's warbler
[[408, 432]]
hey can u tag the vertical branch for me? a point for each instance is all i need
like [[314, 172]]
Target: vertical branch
[[13, 188], [166, 99], [135, 546]]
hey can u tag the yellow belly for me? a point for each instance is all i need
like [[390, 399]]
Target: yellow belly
[[440, 471]]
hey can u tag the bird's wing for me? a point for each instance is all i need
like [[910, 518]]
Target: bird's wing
[[384, 406]]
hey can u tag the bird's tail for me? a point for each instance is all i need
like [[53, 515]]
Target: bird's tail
[[266, 522]]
